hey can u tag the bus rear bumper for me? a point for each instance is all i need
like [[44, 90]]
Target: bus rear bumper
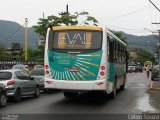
[[75, 85]]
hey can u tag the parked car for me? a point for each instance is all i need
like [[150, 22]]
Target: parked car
[[18, 83], [131, 68], [38, 75], [138, 68], [3, 96], [155, 74]]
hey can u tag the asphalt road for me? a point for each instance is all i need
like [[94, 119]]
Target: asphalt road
[[136, 98]]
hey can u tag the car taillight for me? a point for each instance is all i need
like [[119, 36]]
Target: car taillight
[[12, 82]]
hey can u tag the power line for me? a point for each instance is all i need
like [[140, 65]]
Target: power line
[[129, 13], [154, 5]]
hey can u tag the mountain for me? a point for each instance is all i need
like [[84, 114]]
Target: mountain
[[148, 42], [12, 32]]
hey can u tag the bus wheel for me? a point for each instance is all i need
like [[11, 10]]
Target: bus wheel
[[123, 86], [113, 93], [70, 94]]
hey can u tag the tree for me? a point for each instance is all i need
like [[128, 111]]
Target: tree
[[41, 27], [143, 55], [63, 18], [3, 55]]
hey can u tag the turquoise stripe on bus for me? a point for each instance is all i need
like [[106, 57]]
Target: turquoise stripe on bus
[[62, 64], [112, 72]]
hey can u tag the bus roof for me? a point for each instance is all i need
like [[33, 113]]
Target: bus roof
[[109, 32], [78, 28]]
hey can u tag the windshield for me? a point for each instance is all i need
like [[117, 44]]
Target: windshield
[[37, 72], [76, 40], [5, 76]]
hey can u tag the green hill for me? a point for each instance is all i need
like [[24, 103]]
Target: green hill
[[13, 32], [148, 42]]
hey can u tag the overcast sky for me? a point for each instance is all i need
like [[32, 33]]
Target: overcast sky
[[130, 16]]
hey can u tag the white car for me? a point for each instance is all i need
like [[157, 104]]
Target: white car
[[131, 68]]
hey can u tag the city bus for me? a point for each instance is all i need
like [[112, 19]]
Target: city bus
[[84, 58]]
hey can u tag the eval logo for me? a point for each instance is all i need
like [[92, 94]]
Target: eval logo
[[65, 38], [73, 70]]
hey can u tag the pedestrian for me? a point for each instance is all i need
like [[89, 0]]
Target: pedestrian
[[147, 71]]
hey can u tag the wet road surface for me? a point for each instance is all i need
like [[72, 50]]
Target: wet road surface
[[136, 98]]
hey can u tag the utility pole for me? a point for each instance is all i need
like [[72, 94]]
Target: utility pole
[[159, 48], [65, 13], [159, 37], [67, 9], [158, 32], [43, 15], [154, 5], [26, 39]]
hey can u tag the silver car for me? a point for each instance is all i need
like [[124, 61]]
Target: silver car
[[38, 75], [18, 83]]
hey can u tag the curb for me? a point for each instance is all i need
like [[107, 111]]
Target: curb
[[154, 86], [154, 89]]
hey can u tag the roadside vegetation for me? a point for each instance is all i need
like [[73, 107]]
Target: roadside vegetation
[[68, 19], [143, 56]]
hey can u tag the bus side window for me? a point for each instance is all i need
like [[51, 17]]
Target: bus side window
[[114, 45], [111, 51], [116, 52], [108, 48]]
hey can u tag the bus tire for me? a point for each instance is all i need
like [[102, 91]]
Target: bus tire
[[113, 93], [70, 94], [123, 86]]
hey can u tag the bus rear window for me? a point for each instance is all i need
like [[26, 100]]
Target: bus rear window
[[75, 40]]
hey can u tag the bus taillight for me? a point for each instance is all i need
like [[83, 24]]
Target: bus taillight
[[102, 73], [47, 72], [103, 68], [46, 66]]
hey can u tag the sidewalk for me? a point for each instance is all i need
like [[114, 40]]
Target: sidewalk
[[155, 85]]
